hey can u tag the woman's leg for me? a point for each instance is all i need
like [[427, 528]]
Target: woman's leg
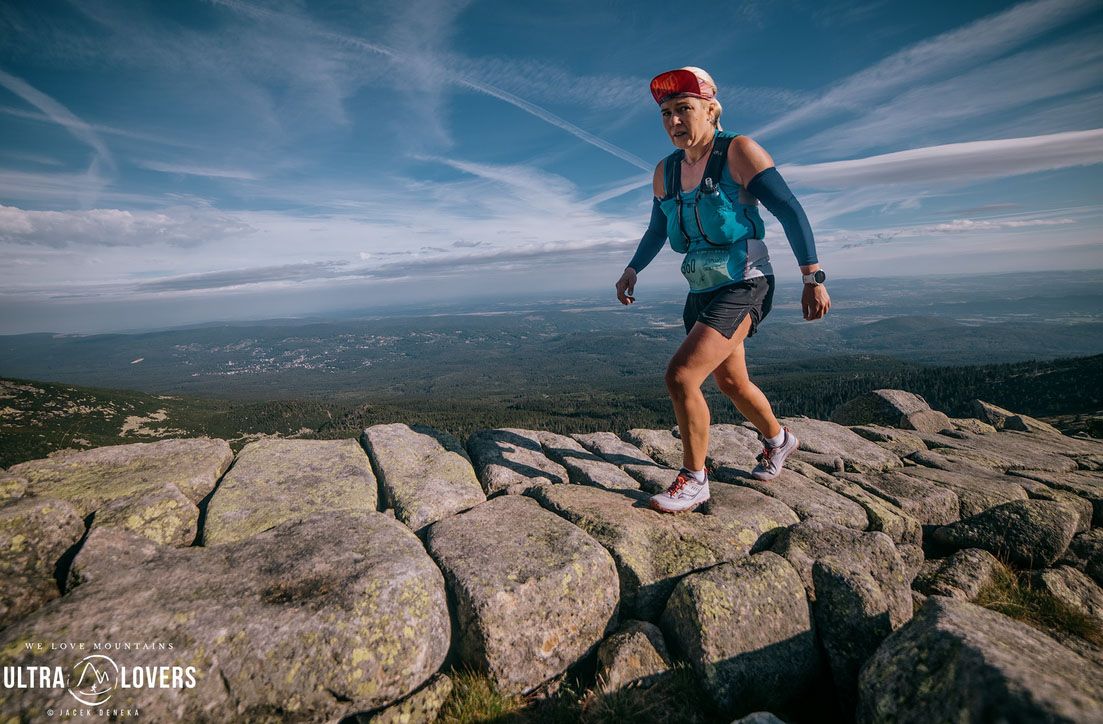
[[733, 380], [702, 351]]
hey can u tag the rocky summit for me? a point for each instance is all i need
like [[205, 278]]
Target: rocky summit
[[329, 580]]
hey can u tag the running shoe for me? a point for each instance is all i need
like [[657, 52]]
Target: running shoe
[[772, 459], [683, 495]]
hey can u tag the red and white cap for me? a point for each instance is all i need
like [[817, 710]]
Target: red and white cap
[[688, 81]]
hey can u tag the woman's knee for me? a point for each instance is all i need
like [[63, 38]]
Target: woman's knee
[[680, 378], [734, 385]]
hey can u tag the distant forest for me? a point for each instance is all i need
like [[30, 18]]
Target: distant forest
[[42, 417]]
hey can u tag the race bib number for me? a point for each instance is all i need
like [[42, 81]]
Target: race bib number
[[706, 268]]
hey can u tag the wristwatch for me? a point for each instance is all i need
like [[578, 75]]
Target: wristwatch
[[816, 278]]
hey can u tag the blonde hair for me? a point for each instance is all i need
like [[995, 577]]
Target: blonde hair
[[712, 103]]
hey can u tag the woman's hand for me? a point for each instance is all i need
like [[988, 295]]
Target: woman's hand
[[626, 285], [814, 302]]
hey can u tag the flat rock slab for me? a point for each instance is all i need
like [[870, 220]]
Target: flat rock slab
[[733, 446], [977, 489], [812, 540], [274, 480], [651, 476], [746, 629], [927, 502], [748, 510], [323, 616], [424, 473], [1085, 511], [153, 488], [653, 550], [1030, 533], [807, 499], [963, 575], [1084, 484], [1007, 450], [533, 593], [827, 438], [34, 534], [973, 425], [881, 514], [584, 467], [660, 445], [959, 662], [898, 442], [509, 457]]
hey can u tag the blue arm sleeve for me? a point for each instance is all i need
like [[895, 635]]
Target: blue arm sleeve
[[653, 239], [770, 188]]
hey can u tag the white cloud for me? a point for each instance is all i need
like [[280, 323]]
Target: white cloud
[[418, 34], [115, 227], [128, 133], [435, 73], [525, 182], [547, 82], [34, 158], [63, 188], [942, 55], [850, 238], [231, 278], [956, 162], [57, 113], [92, 180], [189, 170], [996, 90]]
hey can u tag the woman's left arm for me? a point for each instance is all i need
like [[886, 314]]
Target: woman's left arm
[[754, 169]]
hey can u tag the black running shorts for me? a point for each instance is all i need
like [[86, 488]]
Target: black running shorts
[[723, 309]]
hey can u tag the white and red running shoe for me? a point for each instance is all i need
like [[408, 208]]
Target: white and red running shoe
[[683, 495], [772, 459]]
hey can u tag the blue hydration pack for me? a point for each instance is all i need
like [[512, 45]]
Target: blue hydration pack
[[711, 225], [716, 218]]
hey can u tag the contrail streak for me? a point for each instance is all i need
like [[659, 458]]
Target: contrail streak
[[457, 79]]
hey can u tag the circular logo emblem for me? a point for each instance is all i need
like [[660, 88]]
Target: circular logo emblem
[[96, 677]]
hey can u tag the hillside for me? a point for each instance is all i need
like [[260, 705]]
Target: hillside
[[531, 345], [37, 418]]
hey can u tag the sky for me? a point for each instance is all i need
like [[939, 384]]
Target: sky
[[166, 163]]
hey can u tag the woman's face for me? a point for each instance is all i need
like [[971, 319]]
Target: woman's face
[[686, 120]]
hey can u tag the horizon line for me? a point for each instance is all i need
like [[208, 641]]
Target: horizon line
[[329, 315]]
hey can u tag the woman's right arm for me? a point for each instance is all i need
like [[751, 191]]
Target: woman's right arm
[[653, 239], [650, 245]]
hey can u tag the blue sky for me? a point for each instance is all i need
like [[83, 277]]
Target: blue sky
[[174, 162]]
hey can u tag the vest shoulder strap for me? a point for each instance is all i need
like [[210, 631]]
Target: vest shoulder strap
[[672, 173], [719, 156], [672, 165]]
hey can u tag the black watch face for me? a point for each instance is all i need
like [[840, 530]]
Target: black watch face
[[819, 276]]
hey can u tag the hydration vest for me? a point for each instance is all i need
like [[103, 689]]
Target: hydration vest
[[711, 228]]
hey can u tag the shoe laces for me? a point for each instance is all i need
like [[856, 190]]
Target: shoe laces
[[766, 454], [681, 481]]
